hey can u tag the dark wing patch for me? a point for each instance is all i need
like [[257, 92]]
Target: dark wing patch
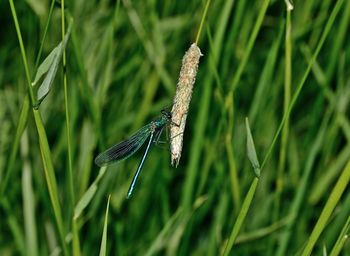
[[125, 148]]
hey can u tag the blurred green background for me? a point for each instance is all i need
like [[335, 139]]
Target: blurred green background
[[123, 61]]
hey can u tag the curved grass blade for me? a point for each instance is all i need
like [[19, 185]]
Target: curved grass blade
[[88, 195], [50, 66], [253, 158], [47, 63], [125, 148]]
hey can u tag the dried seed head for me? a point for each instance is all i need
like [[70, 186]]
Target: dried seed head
[[182, 100]]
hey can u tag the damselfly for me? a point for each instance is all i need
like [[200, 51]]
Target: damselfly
[[128, 147]]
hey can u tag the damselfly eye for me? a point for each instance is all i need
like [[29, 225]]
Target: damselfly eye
[[167, 114]]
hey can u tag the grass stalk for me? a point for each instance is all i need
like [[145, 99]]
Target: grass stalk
[[76, 245], [202, 21], [37, 62], [28, 200], [50, 177], [23, 52], [68, 132], [44, 145], [286, 102], [241, 216]]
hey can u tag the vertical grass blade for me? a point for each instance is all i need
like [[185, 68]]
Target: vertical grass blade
[[50, 177], [103, 249], [14, 227], [286, 101], [23, 52], [22, 122], [65, 36], [28, 201], [44, 34]]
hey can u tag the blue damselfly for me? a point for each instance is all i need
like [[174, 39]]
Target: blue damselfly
[[128, 147]]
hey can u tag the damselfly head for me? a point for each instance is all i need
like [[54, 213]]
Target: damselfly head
[[166, 114]]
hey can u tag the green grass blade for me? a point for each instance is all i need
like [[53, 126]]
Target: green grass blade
[[103, 249], [23, 52], [44, 146], [50, 177], [202, 21], [251, 152], [343, 237], [243, 63], [332, 201], [28, 201], [22, 122], [88, 195], [47, 63], [44, 34], [15, 227], [280, 179], [148, 45], [298, 199], [241, 217], [50, 65], [65, 36], [163, 235]]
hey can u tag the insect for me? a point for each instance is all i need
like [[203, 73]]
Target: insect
[[128, 147]]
